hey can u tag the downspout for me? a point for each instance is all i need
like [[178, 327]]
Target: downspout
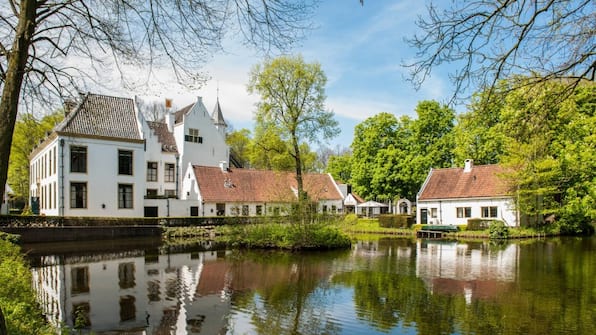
[[61, 178], [440, 212], [177, 174]]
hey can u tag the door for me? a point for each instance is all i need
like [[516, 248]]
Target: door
[[424, 216]]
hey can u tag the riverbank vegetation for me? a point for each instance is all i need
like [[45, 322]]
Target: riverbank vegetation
[[17, 298]]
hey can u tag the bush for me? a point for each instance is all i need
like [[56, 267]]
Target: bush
[[287, 236], [396, 221], [498, 230], [17, 298], [480, 224]]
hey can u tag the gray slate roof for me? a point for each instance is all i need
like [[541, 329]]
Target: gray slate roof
[[167, 140], [217, 115], [103, 116]]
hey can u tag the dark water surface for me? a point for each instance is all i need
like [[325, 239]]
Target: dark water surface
[[384, 286]]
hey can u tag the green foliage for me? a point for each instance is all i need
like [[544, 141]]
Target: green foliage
[[396, 221], [317, 236], [17, 298], [391, 157], [239, 142], [27, 134], [292, 106], [479, 224], [498, 230], [340, 167]]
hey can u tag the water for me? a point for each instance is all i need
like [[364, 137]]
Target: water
[[384, 286]]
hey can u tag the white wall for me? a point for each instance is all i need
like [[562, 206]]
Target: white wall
[[44, 178], [447, 213], [102, 178]]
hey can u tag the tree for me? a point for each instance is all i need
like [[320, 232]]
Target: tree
[[36, 36], [293, 104], [551, 153], [493, 40], [340, 166], [27, 134], [239, 142]]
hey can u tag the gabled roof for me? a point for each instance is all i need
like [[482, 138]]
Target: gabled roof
[[167, 140], [217, 115], [482, 181], [179, 115], [244, 185], [102, 116]]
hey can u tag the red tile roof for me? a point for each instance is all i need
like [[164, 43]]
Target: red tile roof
[[453, 183], [244, 185]]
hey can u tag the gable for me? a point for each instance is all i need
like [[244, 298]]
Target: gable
[[453, 183], [243, 185]]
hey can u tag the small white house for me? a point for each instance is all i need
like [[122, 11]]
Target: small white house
[[451, 196], [221, 191]]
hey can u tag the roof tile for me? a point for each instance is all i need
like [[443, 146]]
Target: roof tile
[[453, 183]]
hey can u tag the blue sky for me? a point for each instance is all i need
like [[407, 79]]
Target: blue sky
[[360, 48]]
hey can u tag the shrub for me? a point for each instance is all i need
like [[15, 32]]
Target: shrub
[[498, 230], [396, 221], [479, 224]]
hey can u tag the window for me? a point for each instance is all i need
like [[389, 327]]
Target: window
[[78, 159], [151, 193], [244, 210], [151, 171], [126, 275], [80, 280], [259, 210], [193, 136], [124, 196], [489, 212], [433, 212], [125, 162], [78, 195], [128, 310], [194, 211], [464, 212], [170, 173], [170, 193]]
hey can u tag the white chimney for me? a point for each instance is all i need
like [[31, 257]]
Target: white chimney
[[169, 116], [224, 166], [469, 163]]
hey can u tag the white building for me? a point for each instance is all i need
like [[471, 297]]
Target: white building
[[221, 191], [104, 159], [451, 196]]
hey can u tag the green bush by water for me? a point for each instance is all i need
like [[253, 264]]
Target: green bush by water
[[316, 236], [17, 298]]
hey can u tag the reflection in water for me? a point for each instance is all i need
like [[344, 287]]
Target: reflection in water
[[384, 286]]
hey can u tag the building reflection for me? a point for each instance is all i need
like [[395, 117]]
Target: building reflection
[[127, 291]]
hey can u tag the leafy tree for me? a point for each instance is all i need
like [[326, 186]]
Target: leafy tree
[[239, 142], [27, 134], [36, 36], [476, 133], [492, 40], [340, 167], [550, 150], [293, 104]]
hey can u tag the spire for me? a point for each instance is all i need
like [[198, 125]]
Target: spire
[[217, 115]]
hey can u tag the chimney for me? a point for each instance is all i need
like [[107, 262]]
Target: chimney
[[468, 165], [224, 166], [169, 116]]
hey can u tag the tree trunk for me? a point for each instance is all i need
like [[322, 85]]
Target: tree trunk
[[17, 60], [3, 330]]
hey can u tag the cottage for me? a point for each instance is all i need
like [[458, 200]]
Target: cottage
[[451, 196], [221, 191]]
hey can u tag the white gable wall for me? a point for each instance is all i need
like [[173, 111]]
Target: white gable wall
[[446, 210]]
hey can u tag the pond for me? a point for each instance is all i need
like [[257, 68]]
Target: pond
[[381, 286]]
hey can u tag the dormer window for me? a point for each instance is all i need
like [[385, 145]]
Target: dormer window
[[193, 136]]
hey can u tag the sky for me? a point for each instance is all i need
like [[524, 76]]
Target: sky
[[361, 49]]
